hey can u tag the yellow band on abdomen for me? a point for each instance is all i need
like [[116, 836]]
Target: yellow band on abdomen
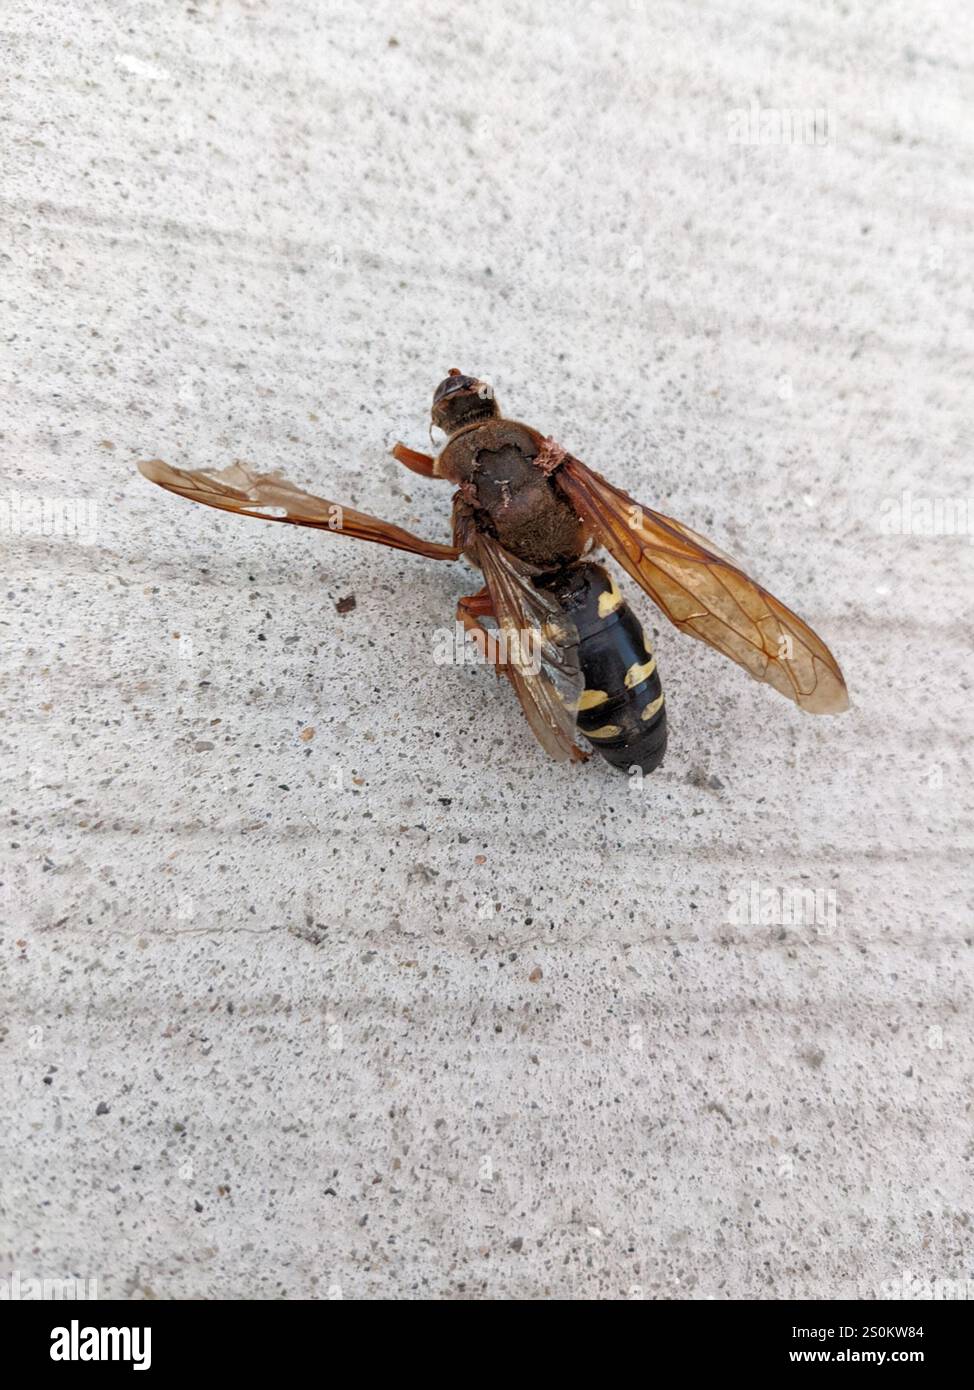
[[636, 674], [653, 708]]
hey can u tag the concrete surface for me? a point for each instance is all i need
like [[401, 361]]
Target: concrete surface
[[400, 1009]]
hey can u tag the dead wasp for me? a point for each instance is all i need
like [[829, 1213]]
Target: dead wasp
[[527, 514]]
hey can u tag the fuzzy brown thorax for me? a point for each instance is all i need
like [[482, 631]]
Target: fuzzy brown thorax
[[494, 464]]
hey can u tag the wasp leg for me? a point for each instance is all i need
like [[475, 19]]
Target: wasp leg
[[419, 463], [470, 609]]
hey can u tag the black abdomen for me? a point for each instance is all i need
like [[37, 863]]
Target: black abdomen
[[621, 710]]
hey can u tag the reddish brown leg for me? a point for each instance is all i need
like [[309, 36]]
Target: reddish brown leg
[[419, 463], [470, 609]]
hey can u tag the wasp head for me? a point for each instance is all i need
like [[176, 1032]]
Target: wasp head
[[460, 400]]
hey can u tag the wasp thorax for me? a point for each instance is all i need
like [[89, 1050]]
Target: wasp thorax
[[460, 400]]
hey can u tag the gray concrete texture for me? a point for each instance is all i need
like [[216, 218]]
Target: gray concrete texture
[[318, 978]]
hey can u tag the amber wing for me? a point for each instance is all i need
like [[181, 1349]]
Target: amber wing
[[541, 647], [270, 497], [705, 594]]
